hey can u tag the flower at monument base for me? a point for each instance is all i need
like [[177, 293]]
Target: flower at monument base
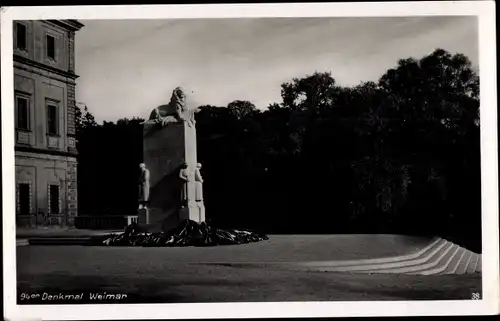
[[187, 233]]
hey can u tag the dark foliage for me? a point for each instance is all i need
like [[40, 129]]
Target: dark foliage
[[398, 156], [109, 156]]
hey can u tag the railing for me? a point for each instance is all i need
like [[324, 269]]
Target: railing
[[26, 220], [104, 222], [40, 219]]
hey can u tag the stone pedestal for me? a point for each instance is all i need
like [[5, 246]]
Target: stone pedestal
[[165, 150], [201, 207], [143, 216]]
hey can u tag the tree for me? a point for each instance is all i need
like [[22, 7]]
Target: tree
[[83, 120], [241, 108], [433, 108], [87, 134], [312, 92], [440, 87]]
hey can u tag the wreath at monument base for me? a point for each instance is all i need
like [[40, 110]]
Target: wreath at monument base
[[187, 233]]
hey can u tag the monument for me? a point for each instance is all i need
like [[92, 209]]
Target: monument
[[175, 183], [171, 205]]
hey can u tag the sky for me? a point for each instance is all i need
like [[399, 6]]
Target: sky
[[129, 67]]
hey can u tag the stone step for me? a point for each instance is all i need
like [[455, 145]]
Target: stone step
[[66, 241], [422, 253], [442, 263], [452, 267], [61, 233], [440, 257], [464, 263], [479, 267], [429, 264], [391, 266], [472, 264], [22, 242]]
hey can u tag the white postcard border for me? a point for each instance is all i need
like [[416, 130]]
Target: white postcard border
[[484, 10]]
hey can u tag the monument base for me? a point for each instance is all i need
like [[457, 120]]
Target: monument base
[[154, 220], [201, 206], [195, 211], [143, 216]]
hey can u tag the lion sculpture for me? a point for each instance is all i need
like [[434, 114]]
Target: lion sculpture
[[174, 112]]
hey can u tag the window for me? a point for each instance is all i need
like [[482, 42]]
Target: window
[[24, 199], [21, 36], [51, 47], [54, 199], [22, 113], [52, 128]]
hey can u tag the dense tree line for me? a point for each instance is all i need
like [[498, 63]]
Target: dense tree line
[[401, 155]]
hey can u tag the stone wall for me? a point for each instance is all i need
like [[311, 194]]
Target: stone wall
[[71, 132], [38, 30], [71, 120], [42, 171], [72, 191], [42, 158], [71, 51], [41, 91]]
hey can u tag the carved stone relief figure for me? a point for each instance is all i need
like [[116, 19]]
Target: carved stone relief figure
[[185, 178], [198, 183], [143, 186]]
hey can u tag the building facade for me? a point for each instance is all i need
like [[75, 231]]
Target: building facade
[[45, 129]]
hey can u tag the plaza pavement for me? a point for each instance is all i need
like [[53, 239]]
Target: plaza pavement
[[396, 254], [172, 274]]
